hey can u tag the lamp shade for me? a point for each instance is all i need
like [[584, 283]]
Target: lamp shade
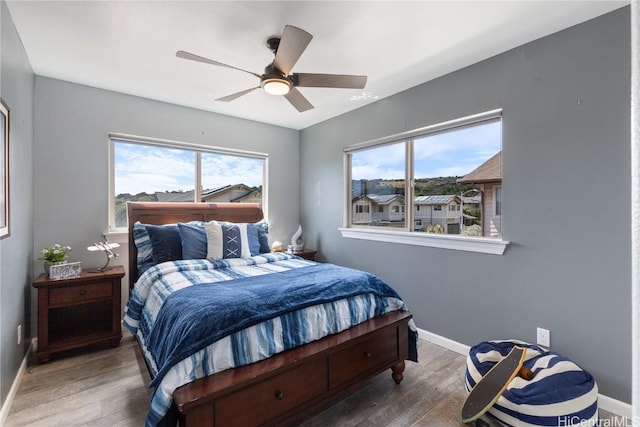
[[276, 86]]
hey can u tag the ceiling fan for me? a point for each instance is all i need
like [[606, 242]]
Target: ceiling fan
[[278, 79]]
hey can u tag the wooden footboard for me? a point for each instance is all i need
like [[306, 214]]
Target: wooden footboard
[[297, 383]]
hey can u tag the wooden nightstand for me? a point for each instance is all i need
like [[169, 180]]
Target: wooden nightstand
[[306, 254], [77, 312]]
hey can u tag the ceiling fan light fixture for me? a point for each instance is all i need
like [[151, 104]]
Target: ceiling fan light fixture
[[276, 86]]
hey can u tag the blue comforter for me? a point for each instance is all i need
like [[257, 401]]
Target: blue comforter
[[194, 317]]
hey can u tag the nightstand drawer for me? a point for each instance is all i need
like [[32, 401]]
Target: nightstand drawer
[[79, 293]]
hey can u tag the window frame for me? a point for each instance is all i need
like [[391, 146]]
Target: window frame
[[497, 201], [488, 245], [197, 149]]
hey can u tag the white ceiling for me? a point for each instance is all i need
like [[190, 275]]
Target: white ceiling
[[130, 46]]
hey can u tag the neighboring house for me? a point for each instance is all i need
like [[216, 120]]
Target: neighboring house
[[378, 209], [229, 193], [174, 196], [387, 208], [488, 179], [362, 207], [254, 196], [443, 210], [471, 203]]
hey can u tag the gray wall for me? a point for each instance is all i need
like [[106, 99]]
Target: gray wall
[[72, 124], [16, 89], [566, 151]]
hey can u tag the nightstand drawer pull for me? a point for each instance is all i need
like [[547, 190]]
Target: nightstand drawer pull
[[368, 355], [82, 292], [279, 395]]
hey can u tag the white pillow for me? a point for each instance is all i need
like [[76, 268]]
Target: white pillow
[[227, 240]]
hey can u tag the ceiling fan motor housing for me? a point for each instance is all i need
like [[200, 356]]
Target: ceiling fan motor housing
[[273, 43]]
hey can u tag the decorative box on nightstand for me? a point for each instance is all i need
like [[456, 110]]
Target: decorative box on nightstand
[[77, 312]]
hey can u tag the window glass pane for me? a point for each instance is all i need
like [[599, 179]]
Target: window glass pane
[[457, 168], [228, 178], [151, 173], [378, 182]]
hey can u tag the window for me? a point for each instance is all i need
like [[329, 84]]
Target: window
[[456, 164], [158, 171], [362, 209], [386, 191]]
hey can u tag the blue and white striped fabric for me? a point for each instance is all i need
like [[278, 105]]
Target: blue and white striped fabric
[[245, 346], [143, 244], [560, 394]]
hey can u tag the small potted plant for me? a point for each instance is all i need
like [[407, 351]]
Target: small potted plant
[[54, 254]]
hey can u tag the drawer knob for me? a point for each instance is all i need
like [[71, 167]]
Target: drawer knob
[[82, 292], [279, 395], [368, 355]]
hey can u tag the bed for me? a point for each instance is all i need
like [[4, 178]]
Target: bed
[[227, 372]]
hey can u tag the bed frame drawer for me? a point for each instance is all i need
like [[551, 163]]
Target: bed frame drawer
[[363, 358], [305, 376], [266, 400]]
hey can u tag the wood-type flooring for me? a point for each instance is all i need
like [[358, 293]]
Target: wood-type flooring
[[107, 387]]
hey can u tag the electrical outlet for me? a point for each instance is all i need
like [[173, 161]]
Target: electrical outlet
[[19, 334], [544, 337]]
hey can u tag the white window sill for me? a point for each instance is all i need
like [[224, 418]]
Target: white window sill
[[118, 236], [443, 241]]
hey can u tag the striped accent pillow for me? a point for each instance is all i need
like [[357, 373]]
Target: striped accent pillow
[[227, 240], [143, 244], [560, 394]]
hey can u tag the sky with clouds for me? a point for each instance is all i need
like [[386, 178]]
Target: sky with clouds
[[145, 168], [451, 153]]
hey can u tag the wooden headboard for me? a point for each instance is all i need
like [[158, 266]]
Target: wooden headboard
[[171, 213]]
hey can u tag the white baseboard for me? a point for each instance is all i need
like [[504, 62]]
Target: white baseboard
[[6, 406], [454, 346], [614, 406], [607, 403]]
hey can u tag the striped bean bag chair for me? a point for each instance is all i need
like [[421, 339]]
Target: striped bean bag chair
[[560, 394]]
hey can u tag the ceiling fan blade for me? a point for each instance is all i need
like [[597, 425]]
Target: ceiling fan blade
[[298, 100], [233, 96], [343, 81], [292, 43], [193, 57]]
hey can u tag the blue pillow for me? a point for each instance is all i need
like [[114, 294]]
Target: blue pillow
[[193, 238], [144, 267], [254, 241], [165, 241], [263, 236]]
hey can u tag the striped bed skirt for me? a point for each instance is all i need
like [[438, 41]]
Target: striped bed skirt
[[560, 394]]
